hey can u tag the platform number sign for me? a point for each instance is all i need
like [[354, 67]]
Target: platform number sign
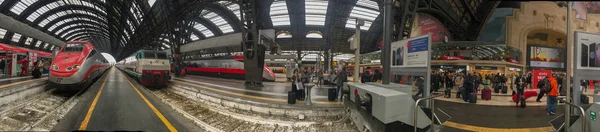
[[592, 116]]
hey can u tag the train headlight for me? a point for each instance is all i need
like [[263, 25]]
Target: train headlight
[[75, 67], [69, 68], [54, 66]]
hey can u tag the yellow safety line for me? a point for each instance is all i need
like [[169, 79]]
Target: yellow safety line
[[251, 96], [86, 120], [17, 83], [489, 129], [162, 118]]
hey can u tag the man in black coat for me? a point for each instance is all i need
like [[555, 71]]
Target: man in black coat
[[469, 85], [435, 82]]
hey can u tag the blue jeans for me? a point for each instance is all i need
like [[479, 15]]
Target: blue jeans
[[338, 93], [551, 104]]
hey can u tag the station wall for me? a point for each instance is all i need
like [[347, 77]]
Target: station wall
[[538, 15]]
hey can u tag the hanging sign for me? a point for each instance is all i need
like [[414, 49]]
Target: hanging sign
[[539, 75]]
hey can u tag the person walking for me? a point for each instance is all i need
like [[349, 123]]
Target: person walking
[[420, 83], [552, 94], [319, 78], [544, 86]]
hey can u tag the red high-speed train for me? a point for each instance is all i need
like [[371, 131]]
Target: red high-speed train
[[76, 65], [227, 66]]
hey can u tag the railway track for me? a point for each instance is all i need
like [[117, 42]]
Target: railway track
[[222, 120], [34, 113]]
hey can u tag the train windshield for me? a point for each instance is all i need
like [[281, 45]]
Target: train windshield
[[149, 55], [161, 55], [73, 48]]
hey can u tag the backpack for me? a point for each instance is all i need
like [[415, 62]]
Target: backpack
[[540, 84], [546, 86]]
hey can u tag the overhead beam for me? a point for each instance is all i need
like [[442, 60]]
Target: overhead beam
[[9, 23]]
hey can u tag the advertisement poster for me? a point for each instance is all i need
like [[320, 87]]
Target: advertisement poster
[[411, 52], [430, 24], [546, 57], [539, 75], [587, 48]]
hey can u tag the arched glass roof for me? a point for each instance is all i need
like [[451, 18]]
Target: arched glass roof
[[314, 35], [279, 13], [365, 10], [316, 11]]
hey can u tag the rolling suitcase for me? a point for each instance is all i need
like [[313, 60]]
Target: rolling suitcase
[[291, 97], [331, 94], [496, 89], [486, 94], [504, 89], [584, 99], [473, 98]]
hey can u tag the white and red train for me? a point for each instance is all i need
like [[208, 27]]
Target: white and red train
[[149, 67], [76, 65], [226, 66]]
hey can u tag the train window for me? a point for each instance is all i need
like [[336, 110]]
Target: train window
[[91, 53], [149, 55], [161, 55], [73, 48]]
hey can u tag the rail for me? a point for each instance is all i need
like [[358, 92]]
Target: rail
[[583, 117], [415, 110]]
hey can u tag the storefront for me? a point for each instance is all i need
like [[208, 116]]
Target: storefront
[[450, 68]]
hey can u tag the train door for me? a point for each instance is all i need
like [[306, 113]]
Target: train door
[[223, 69], [137, 65]]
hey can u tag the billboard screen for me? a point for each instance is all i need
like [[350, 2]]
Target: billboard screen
[[546, 57], [587, 48], [412, 52]]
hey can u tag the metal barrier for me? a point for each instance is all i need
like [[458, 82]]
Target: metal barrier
[[416, 114], [583, 117]]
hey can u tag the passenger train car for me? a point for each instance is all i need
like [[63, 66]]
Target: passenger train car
[[228, 67], [76, 65], [150, 68]]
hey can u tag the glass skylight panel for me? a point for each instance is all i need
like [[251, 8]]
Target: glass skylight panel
[[313, 35], [204, 30], [2, 33], [166, 45], [315, 12], [131, 26], [233, 7], [280, 20], [151, 2], [21, 6], [45, 45], [16, 37], [284, 35], [38, 44], [219, 21], [279, 13], [28, 41], [194, 37], [315, 20], [365, 10]]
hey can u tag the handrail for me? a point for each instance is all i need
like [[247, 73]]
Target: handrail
[[583, 117], [416, 114]]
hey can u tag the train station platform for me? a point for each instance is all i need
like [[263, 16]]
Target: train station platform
[[272, 92], [118, 102]]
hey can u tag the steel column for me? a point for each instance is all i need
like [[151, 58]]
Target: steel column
[[387, 25]]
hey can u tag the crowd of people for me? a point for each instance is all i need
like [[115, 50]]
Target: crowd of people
[[472, 82]]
